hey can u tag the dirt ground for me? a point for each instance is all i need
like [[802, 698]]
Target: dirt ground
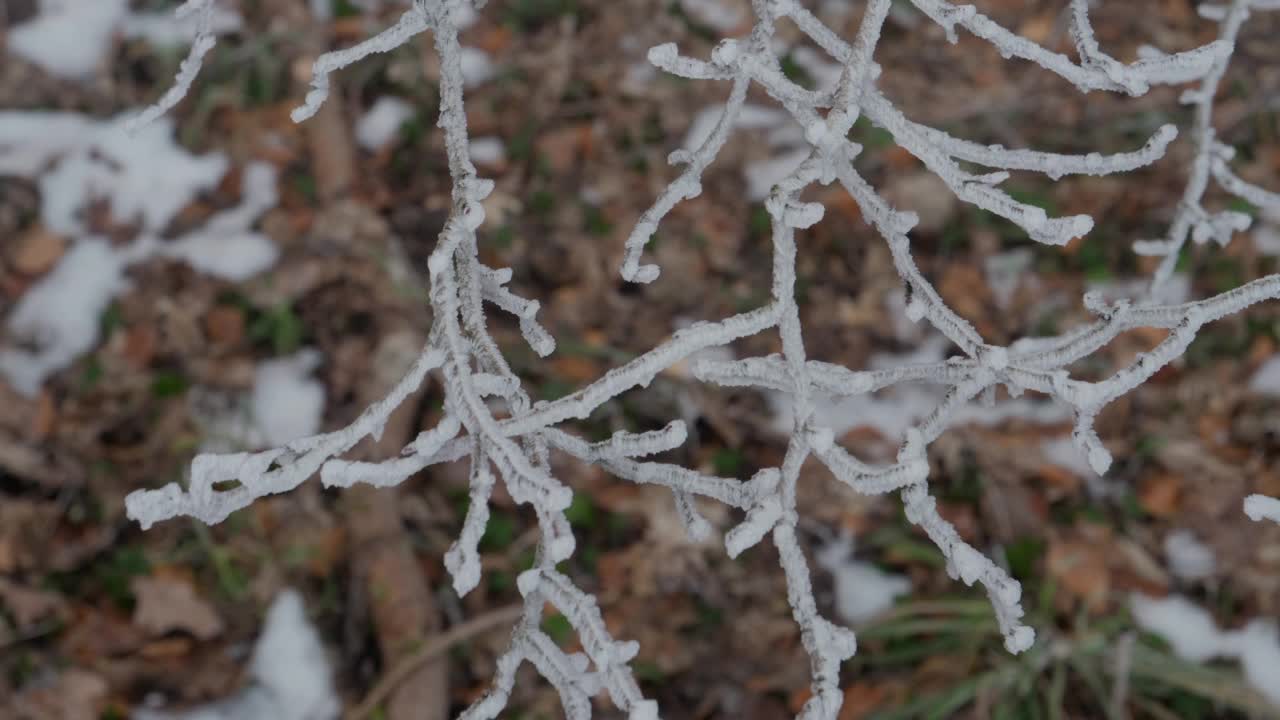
[[587, 136]]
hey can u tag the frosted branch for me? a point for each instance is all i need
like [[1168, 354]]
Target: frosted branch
[[490, 421], [1191, 219]]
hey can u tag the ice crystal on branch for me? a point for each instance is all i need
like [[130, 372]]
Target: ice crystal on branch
[[515, 450]]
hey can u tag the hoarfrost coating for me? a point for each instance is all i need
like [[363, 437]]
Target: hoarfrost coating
[[516, 450]]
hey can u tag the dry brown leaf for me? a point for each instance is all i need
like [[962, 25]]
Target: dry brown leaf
[[168, 604], [224, 325], [861, 699], [28, 607], [1160, 494], [1081, 570], [37, 250], [75, 695]]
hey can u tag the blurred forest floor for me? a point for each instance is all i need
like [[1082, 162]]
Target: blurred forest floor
[[586, 133]]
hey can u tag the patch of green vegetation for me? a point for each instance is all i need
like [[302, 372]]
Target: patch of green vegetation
[[23, 668], [501, 582], [344, 8], [520, 147], [554, 389], [728, 462], [1093, 259], [499, 532], [676, 10], [955, 238], [647, 671], [110, 320], [503, 237], [168, 384], [1147, 446], [1225, 273], [558, 628], [279, 327], [1216, 342], [1241, 205], [870, 135], [542, 202], [581, 512], [594, 221], [759, 223], [965, 486], [1023, 556], [710, 617], [1069, 672], [1035, 198], [796, 72], [304, 183], [92, 373], [529, 15], [115, 573]]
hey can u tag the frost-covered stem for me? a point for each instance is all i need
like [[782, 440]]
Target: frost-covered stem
[[413, 22], [1192, 220], [200, 46], [1131, 79]]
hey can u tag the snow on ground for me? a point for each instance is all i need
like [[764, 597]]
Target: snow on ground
[[1194, 635], [1266, 379], [1261, 507], [490, 151], [145, 179], [59, 315], [381, 124], [287, 403], [863, 590], [722, 16], [1189, 559], [477, 67], [289, 674], [71, 38]]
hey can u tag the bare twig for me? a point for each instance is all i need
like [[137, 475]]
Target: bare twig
[[437, 646]]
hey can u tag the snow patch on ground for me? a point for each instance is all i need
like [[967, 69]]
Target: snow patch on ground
[[57, 319], [719, 15], [1194, 636], [488, 151], [287, 403], [71, 38], [68, 38], [1188, 558], [863, 590], [477, 68], [145, 180], [289, 674], [145, 177], [1266, 379], [381, 124]]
